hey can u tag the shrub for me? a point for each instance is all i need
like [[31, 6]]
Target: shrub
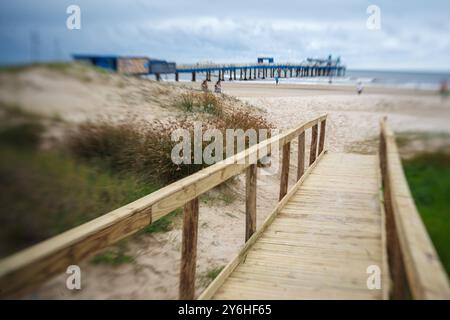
[[145, 148], [114, 255], [44, 193], [211, 104], [244, 119], [202, 101], [19, 128], [186, 102], [105, 143], [132, 146], [23, 135]]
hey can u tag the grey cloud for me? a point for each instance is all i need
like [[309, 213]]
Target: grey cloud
[[414, 34]]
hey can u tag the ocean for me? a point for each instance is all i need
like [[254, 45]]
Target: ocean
[[399, 79]]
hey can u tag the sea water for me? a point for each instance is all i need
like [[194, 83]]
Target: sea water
[[399, 79]]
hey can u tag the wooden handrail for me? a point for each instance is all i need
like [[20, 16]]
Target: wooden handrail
[[415, 267], [28, 268]]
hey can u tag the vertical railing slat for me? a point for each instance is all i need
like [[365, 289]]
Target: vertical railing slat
[[250, 201], [189, 251], [285, 170], [301, 155], [323, 126], [313, 150]]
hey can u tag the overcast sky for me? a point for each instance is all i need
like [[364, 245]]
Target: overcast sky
[[414, 34]]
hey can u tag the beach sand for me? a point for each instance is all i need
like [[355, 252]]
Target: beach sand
[[352, 126]]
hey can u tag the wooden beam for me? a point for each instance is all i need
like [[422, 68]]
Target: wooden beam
[[313, 150], [285, 170], [250, 201], [189, 251], [301, 155], [323, 126], [27, 269], [412, 252]]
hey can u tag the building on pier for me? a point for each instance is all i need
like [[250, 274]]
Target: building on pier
[[134, 65]]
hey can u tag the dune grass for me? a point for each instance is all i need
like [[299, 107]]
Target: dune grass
[[46, 192], [428, 176]]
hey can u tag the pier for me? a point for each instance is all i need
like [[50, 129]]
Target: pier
[[263, 70]]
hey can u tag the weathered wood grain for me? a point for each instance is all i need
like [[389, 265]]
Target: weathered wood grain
[[189, 251], [414, 263], [301, 155], [250, 201], [313, 149], [284, 180]]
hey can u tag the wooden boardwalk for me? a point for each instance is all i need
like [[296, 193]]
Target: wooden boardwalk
[[323, 239], [347, 219]]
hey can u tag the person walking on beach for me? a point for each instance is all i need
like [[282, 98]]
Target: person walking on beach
[[205, 86], [276, 80], [359, 87], [218, 87], [443, 90]]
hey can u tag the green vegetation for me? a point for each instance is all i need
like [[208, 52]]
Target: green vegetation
[[202, 102], [220, 194], [186, 102], [44, 192], [207, 277], [428, 176], [115, 255], [164, 224]]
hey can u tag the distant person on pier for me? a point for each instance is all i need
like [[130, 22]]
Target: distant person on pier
[[205, 86], [443, 90], [218, 87], [359, 87]]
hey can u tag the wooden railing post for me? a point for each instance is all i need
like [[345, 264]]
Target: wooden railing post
[[189, 251], [301, 155], [323, 126], [285, 170], [250, 201], [313, 150]]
